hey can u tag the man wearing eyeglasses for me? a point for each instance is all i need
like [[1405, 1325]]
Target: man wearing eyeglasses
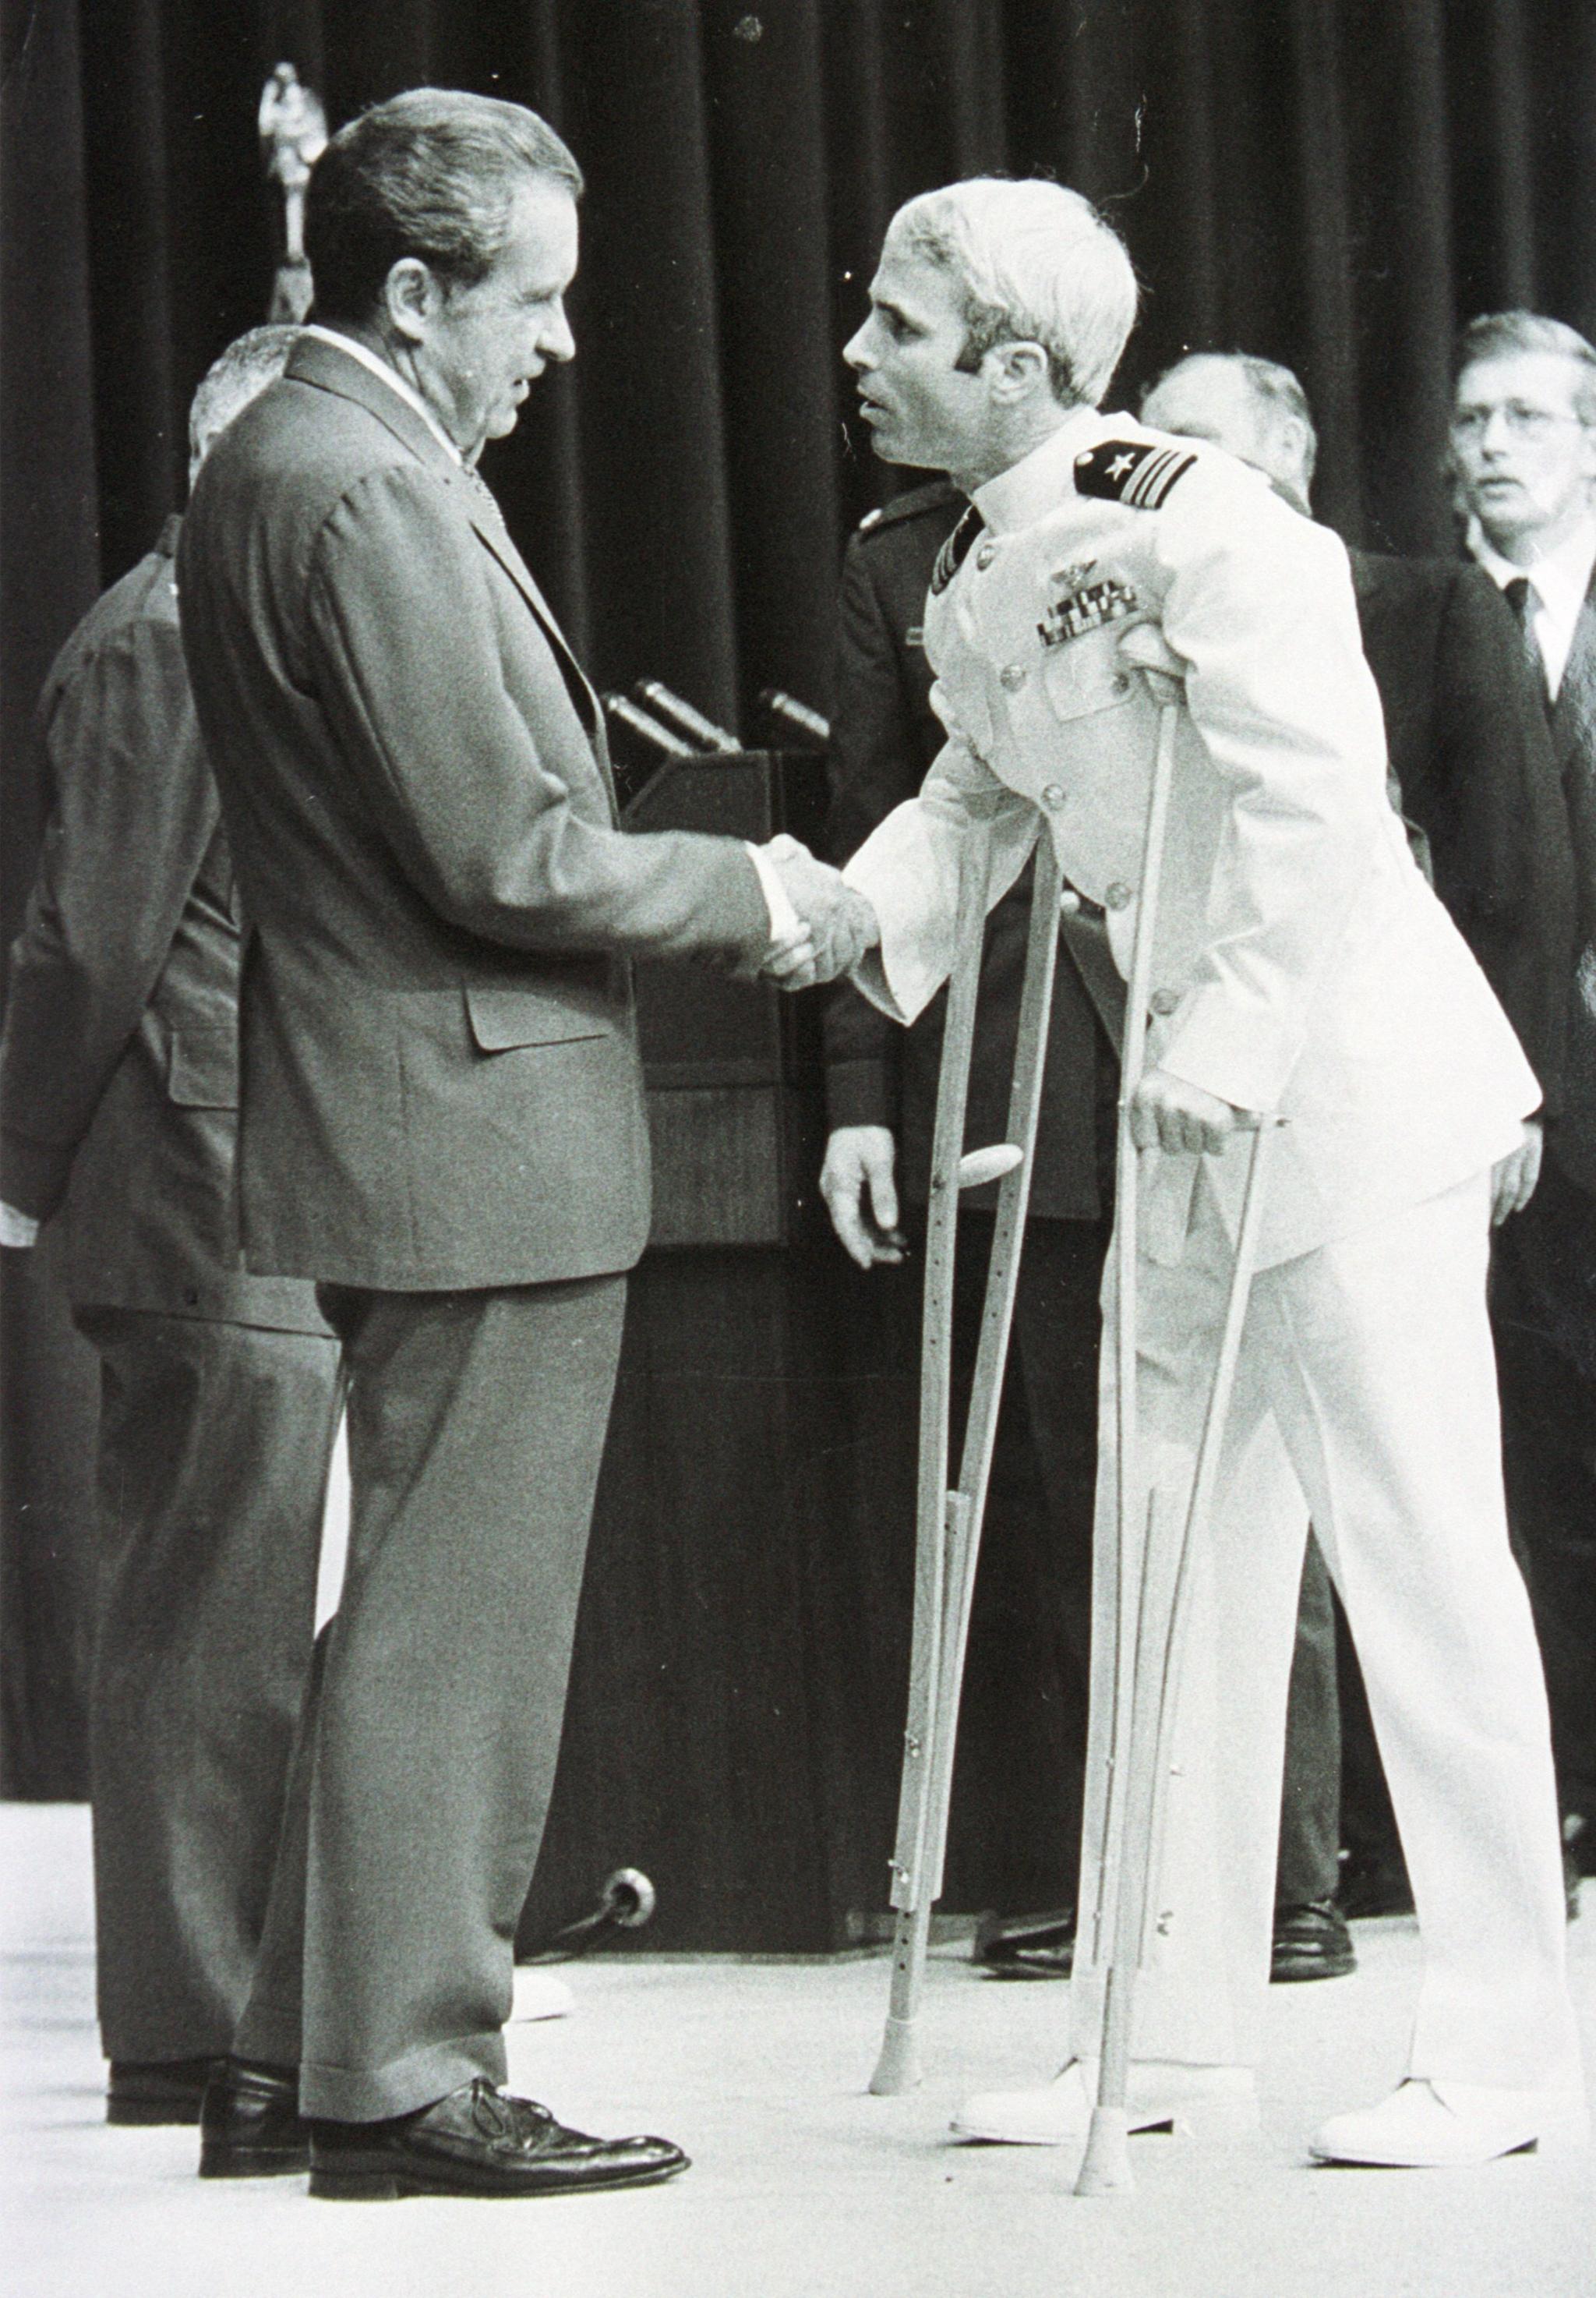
[[1524, 454]]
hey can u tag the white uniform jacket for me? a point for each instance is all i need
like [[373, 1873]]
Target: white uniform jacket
[[1301, 964]]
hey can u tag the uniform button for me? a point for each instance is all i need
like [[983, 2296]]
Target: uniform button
[[1164, 1002], [984, 556], [1052, 797], [1069, 903], [1116, 897], [1013, 677]]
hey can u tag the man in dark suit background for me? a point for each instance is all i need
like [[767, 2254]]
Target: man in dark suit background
[[1524, 452], [218, 1390], [442, 1122], [1474, 776]]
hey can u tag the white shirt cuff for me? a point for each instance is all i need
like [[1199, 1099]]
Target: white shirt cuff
[[786, 925], [20, 1230]]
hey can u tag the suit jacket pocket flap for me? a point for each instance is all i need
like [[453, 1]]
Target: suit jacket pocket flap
[[504, 1018], [203, 1067]]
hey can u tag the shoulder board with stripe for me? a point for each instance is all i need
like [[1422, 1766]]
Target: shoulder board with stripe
[[1131, 471], [951, 558]]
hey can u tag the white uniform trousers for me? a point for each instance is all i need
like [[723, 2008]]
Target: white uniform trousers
[[1366, 1388]]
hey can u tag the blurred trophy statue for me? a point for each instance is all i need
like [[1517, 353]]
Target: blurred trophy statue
[[293, 135]]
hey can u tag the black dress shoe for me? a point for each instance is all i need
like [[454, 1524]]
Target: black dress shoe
[[157, 2090], [1311, 1942], [251, 2126], [477, 2141], [1026, 1946]]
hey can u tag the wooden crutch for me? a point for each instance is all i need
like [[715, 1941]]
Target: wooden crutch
[[1151, 1555], [949, 1522], [1141, 1752]]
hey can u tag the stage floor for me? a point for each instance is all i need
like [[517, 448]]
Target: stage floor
[[803, 2186]]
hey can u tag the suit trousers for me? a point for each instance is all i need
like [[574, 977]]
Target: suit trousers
[[1310, 1866], [214, 1443], [1365, 1397], [1543, 1299], [426, 1755]]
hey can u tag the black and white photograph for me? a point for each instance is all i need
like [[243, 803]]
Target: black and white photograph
[[798, 1148]]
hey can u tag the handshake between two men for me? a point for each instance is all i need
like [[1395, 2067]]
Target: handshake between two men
[[831, 925]]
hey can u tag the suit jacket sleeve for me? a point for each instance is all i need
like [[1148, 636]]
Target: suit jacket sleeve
[[873, 767], [1500, 835], [135, 810], [407, 656]]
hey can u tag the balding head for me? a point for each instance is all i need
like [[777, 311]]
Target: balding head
[[241, 372], [1253, 408]]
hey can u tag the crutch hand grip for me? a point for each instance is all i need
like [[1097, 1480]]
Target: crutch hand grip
[[976, 1167]]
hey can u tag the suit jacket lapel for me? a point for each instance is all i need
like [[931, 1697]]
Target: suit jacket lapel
[[491, 529], [1573, 737], [1574, 717], [333, 369]]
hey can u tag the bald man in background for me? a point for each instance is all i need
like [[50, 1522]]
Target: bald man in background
[[219, 1390]]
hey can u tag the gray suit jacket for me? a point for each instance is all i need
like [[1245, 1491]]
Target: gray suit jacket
[[442, 1087], [119, 1074]]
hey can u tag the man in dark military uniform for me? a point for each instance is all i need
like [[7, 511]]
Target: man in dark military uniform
[[219, 1390], [1026, 1687]]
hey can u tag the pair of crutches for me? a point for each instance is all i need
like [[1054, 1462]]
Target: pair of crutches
[[1149, 1566]]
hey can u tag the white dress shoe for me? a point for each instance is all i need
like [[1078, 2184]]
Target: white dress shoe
[[1436, 2124], [539, 1995], [1193, 2102]]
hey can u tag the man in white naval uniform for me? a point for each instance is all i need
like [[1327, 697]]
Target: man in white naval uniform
[[1303, 968]]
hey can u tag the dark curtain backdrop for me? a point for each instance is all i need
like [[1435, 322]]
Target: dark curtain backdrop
[[1334, 183]]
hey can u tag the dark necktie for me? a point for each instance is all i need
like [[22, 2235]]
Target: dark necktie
[[1521, 596]]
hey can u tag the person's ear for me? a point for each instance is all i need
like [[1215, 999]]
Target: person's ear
[[1017, 371], [1293, 437], [411, 296]]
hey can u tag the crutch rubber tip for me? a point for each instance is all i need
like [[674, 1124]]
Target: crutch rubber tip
[[1105, 2165], [979, 1166], [898, 2069]]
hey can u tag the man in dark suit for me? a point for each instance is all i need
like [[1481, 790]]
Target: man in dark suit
[[219, 1390], [1023, 1746], [1524, 452], [442, 1122], [1473, 775]]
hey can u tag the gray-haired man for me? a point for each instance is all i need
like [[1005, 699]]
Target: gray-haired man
[[218, 1390], [443, 1120]]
